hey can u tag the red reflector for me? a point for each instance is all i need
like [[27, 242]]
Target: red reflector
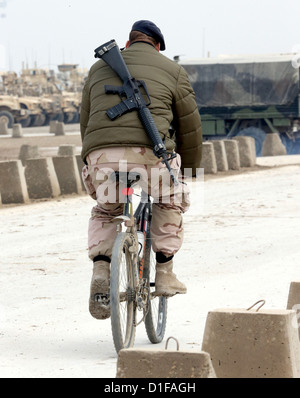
[[127, 191]]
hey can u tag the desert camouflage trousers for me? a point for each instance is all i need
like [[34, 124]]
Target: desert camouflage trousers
[[169, 201]]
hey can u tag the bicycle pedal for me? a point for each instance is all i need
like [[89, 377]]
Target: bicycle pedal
[[102, 299]]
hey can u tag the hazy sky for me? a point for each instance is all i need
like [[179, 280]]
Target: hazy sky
[[50, 32]]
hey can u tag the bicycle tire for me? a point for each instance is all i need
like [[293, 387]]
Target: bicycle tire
[[122, 288], [156, 317]]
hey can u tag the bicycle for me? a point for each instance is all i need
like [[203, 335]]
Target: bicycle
[[133, 271]]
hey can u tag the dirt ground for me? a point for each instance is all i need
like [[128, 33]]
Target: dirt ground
[[241, 245]]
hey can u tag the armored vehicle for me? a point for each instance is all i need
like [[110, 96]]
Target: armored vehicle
[[42, 95], [34, 111], [248, 95], [72, 81], [11, 111], [51, 107], [65, 102], [40, 83], [70, 106]]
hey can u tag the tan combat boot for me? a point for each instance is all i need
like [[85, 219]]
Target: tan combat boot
[[166, 283], [98, 305]]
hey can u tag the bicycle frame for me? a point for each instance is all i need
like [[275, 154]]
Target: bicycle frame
[[142, 217], [136, 222], [133, 243]]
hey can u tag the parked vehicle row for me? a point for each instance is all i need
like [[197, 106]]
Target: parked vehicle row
[[39, 96]]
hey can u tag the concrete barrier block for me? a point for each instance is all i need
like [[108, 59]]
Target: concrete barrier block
[[80, 165], [208, 161], [17, 130], [247, 151], [3, 126], [13, 186], [220, 154], [60, 128], [28, 152], [232, 153], [293, 302], [66, 150], [252, 344], [53, 126], [41, 178], [273, 146], [67, 174], [139, 363]]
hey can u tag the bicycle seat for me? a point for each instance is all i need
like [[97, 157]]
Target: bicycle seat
[[127, 178]]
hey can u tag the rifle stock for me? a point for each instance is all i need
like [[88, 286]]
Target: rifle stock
[[110, 54]]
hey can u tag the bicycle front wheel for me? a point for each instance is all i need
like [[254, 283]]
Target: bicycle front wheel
[[122, 293]]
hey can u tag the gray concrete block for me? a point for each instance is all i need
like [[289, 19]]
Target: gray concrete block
[[247, 151], [232, 154], [80, 165], [66, 150], [208, 161], [252, 344], [3, 126], [53, 126], [139, 363], [17, 130], [273, 146], [60, 128], [293, 303], [67, 174], [220, 154], [41, 178], [28, 152], [13, 186]]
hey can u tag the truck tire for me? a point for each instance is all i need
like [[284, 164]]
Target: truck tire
[[26, 122], [292, 146], [258, 135], [8, 117]]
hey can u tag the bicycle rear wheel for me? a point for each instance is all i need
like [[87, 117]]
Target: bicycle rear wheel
[[122, 293], [156, 318]]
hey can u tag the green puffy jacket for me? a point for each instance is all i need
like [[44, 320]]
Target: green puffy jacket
[[172, 102]]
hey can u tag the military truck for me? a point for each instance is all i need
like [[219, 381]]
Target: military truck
[[51, 107], [45, 84], [34, 110], [11, 111], [248, 95], [70, 106], [72, 81], [40, 83]]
